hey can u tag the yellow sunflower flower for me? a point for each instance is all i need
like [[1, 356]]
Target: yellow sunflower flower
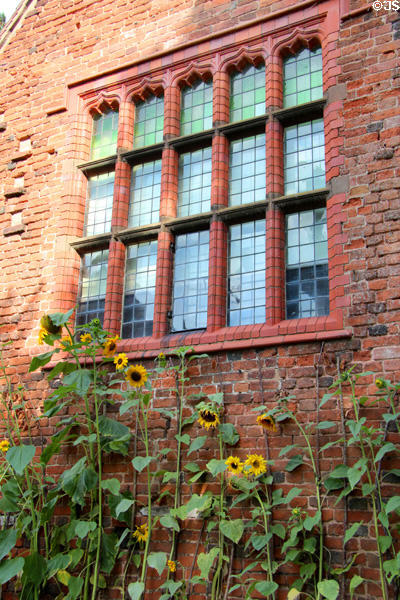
[[255, 464], [234, 464], [86, 338], [208, 418], [141, 533], [120, 361], [171, 566], [162, 360], [267, 422], [110, 346], [136, 376], [379, 383], [66, 340], [42, 335], [4, 445]]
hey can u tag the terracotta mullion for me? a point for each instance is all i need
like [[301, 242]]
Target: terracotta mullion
[[172, 110], [217, 274], [115, 287], [274, 83], [169, 183], [117, 250], [162, 302], [220, 172], [121, 196], [126, 125], [274, 158], [275, 266], [221, 95]]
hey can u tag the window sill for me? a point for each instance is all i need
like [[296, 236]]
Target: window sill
[[248, 336]]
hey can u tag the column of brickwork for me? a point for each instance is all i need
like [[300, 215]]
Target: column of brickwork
[[168, 208], [126, 125], [117, 250], [275, 222], [216, 313], [162, 302]]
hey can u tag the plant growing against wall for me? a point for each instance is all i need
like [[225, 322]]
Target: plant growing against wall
[[74, 557]]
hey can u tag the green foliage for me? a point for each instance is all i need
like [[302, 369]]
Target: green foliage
[[82, 553]]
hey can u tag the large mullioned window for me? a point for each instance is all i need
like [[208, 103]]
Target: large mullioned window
[[305, 267]]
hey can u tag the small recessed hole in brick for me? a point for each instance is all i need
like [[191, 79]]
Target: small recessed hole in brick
[[25, 145], [16, 218], [19, 182], [78, 25]]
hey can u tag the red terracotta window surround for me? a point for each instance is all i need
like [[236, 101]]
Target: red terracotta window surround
[[216, 68]]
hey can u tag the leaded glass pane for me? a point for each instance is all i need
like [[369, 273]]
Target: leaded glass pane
[[144, 206], [247, 98], [194, 183], [149, 122], [246, 273], [190, 281], [93, 287], [140, 285], [247, 170], [196, 108], [99, 204], [304, 157], [104, 136], [307, 283], [302, 77]]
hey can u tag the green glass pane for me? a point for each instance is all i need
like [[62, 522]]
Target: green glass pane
[[248, 84], [197, 126], [289, 86], [303, 97], [303, 67], [259, 95], [289, 69], [316, 79], [316, 93], [150, 138], [248, 112], [236, 102]]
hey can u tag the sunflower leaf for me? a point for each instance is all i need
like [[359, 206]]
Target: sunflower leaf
[[216, 466], [196, 444], [229, 434], [205, 561], [141, 462], [294, 462], [232, 529]]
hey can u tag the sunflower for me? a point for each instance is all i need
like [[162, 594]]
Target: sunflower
[[66, 340], [256, 464], [208, 418], [171, 565], [42, 335], [47, 324], [161, 358], [267, 422], [4, 445], [234, 464], [86, 338], [120, 361], [380, 383], [141, 533], [110, 346], [136, 376]]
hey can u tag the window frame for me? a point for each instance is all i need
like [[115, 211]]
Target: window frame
[[276, 327]]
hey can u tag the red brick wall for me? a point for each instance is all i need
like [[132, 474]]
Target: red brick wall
[[58, 45]]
